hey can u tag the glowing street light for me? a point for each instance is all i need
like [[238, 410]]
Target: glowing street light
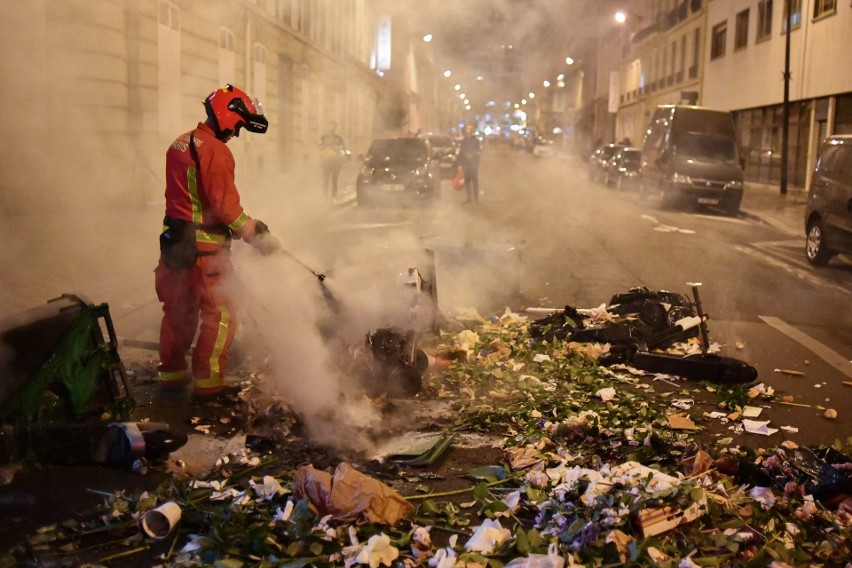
[[569, 60], [427, 38], [620, 17], [560, 77], [457, 87], [546, 83], [531, 95], [461, 96], [447, 73]]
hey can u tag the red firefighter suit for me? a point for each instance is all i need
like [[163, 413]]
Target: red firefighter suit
[[209, 201]]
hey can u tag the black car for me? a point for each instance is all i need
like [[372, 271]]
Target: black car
[[398, 171], [599, 159], [828, 215], [445, 149], [622, 170]]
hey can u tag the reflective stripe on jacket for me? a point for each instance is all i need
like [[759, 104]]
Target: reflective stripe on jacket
[[209, 201]]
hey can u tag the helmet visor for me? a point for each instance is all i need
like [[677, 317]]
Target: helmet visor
[[253, 122]]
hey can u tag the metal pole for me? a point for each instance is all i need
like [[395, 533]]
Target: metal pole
[[785, 127]]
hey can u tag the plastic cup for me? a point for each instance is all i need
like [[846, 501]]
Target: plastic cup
[[158, 523]]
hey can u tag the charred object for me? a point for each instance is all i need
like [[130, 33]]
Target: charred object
[[640, 322], [64, 396], [394, 365]]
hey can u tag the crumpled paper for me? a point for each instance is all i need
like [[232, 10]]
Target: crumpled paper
[[758, 427], [350, 495]]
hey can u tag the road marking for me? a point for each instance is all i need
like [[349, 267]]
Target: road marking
[[801, 274], [736, 220], [821, 350], [666, 228]]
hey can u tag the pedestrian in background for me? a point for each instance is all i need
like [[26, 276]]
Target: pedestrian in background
[[333, 152], [203, 212], [470, 151]]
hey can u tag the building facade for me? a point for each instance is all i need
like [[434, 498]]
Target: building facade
[[100, 88], [747, 48]]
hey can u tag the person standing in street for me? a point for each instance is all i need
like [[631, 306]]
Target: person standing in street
[[470, 151], [332, 153], [203, 214]]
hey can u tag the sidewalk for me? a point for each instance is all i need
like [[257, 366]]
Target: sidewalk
[[784, 212]]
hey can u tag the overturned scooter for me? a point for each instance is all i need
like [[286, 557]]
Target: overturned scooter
[[643, 322]]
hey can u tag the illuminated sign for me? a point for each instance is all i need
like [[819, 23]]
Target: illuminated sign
[[383, 43]]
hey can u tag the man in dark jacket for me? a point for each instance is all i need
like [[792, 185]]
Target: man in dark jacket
[[470, 151]]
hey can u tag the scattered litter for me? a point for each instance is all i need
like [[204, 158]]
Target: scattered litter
[[790, 372], [416, 448], [758, 427], [681, 422], [830, 413], [790, 429], [606, 394], [158, 523], [350, 495], [751, 411]]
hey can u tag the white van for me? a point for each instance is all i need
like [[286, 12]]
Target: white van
[[690, 156]]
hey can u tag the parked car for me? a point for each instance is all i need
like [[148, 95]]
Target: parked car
[[599, 159], [828, 214], [398, 171], [444, 150], [690, 156], [622, 170]]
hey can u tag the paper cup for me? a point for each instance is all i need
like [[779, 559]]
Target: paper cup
[[158, 523]]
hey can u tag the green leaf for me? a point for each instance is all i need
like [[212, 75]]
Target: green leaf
[[489, 473]]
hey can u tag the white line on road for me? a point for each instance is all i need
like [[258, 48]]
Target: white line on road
[[736, 220], [802, 274], [821, 350]]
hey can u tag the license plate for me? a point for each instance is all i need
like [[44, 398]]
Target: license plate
[[391, 187], [708, 201]]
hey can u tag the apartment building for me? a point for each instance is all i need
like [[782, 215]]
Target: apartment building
[[100, 88], [745, 73]]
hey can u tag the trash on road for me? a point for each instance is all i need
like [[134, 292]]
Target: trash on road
[[638, 325], [158, 523], [350, 495]]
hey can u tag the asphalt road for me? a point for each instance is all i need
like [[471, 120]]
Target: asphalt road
[[543, 235]]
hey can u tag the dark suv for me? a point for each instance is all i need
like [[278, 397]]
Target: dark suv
[[398, 171], [828, 215]]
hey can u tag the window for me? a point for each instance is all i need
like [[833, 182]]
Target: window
[[764, 19], [674, 52], [795, 14], [682, 58], [824, 7], [741, 32], [226, 39], [227, 56], [169, 16], [696, 53], [718, 40]]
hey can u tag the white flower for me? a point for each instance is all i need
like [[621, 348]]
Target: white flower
[[284, 515], [512, 501], [268, 489], [377, 552], [488, 536], [445, 557], [764, 496]]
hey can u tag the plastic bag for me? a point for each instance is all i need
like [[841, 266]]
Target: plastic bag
[[458, 179], [549, 560]]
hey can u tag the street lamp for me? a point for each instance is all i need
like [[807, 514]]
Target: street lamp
[[448, 73], [569, 60], [427, 38], [620, 17]]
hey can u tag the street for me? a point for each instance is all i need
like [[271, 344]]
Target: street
[[544, 236]]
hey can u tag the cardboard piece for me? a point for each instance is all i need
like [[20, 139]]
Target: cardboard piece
[[657, 520]]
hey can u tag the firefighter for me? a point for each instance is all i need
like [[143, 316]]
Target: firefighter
[[203, 215]]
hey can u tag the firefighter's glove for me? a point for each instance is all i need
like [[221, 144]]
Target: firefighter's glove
[[263, 240]]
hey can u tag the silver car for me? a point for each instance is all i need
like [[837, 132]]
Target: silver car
[[828, 215]]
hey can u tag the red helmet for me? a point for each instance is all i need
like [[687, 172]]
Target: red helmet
[[230, 109]]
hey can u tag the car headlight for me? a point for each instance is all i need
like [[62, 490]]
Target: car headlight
[[681, 179], [734, 185]]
